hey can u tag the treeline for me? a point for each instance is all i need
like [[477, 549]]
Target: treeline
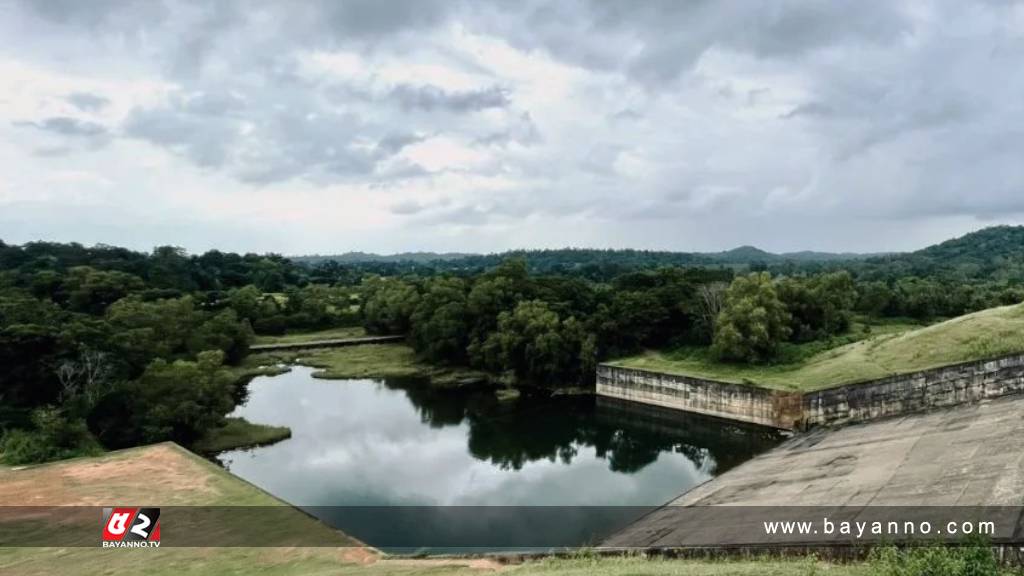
[[545, 329], [993, 254], [554, 329], [105, 347]]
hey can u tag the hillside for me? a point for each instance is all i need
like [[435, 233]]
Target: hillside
[[577, 257], [985, 334]]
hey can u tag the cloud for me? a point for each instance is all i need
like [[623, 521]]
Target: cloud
[[789, 124], [430, 98], [407, 207], [87, 102], [66, 126]]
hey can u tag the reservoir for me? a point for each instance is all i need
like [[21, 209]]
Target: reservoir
[[404, 466]]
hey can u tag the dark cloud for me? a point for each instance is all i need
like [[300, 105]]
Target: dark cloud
[[372, 18], [810, 109], [766, 113], [657, 40], [394, 143], [67, 126], [203, 140], [627, 114], [52, 151], [88, 102], [406, 208], [430, 98], [521, 130]]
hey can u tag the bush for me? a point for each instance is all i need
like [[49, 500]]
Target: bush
[[753, 322], [177, 401], [271, 325], [53, 437], [974, 558]]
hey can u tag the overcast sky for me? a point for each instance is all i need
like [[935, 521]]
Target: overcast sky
[[329, 126]]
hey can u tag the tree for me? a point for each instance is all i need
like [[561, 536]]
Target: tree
[[711, 300], [440, 323], [874, 298], [388, 304], [176, 401], [753, 321], [91, 291], [818, 306]]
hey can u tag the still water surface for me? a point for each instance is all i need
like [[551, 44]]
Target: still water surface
[[401, 443]]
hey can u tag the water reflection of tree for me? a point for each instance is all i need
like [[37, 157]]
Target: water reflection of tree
[[630, 436]]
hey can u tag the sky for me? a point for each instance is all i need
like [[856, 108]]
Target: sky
[[327, 126]]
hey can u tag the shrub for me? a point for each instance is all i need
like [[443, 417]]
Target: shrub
[[53, 437], [974, 558]]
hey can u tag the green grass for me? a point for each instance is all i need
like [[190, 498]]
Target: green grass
[[300, 337], [367, 361], [320, 562], [891, 349], [167, 475], [240, 433], [331, 562]]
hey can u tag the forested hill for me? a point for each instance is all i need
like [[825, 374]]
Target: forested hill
[[995, 253], [992, 253], [360, 257], [564, 259]]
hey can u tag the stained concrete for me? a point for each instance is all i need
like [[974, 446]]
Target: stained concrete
[[900, 394], [970, 455]]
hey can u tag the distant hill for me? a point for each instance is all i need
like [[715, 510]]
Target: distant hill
[[581, 256], [994, 253], [986, 245], [359, 257]]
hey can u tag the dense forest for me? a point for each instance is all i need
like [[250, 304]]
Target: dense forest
[[104, 347]]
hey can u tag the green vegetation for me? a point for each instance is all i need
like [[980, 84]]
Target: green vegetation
[[88, 335], [368, 361], [300, 337], [893, 349], [177, 477], [753, 321], [239, 433], [973, 561]]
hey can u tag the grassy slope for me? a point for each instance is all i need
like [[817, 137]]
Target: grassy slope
[[166, 475], [324, 562], [297, 337], [984, 334], [158, 475], [240, 433], [366, 361]]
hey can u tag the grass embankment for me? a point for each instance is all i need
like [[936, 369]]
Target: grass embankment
[[368, 361], [166, 475], [240, 433], [985, 334], [301, 337], [163, 475]]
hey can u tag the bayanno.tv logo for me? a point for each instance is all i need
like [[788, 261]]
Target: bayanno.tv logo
[[131, 528]]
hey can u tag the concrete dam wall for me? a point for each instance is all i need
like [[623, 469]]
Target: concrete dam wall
[[710, 397], [951, 385]]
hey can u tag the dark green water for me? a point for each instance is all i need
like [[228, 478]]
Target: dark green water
[[442, 453]]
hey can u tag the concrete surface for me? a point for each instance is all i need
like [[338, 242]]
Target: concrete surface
[[966, 456]]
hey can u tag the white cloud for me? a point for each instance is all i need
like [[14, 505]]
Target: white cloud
[[486, 126]]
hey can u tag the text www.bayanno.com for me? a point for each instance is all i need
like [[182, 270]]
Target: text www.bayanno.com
[[878, 528]]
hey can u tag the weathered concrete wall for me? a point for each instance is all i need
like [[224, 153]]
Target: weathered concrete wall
[[952, 385], [906, 393], [734, 401]]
